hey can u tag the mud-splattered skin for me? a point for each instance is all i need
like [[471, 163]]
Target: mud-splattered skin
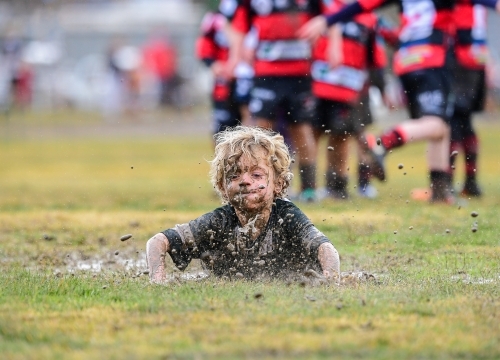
[[250, 189]]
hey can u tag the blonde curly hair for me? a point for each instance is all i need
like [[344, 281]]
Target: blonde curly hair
[[235, 142]]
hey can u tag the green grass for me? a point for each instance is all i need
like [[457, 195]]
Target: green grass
[[65, 202]]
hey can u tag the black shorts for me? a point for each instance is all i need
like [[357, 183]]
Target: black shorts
[[469, 88], [429, 93], [341, 118], [226, 113], [291, 93], [242, 90]]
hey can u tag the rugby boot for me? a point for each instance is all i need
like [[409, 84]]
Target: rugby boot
[[368, 191], [308, 196], [337, 188], [376, 153], [471, 188]]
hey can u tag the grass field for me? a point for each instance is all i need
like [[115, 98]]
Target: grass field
[[70, 289]]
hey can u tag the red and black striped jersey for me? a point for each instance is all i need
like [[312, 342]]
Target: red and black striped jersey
[[360, 51], [279, 51]]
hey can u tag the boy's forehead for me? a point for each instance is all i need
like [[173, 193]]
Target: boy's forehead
[[253, 157]]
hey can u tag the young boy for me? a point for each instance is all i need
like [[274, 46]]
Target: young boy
[[257, 231]]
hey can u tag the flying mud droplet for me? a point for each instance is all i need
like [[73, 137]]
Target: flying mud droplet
[[474, 214], [395, 232], [379, 141], [146, 272], [238, 275], [132, 167], [474, 229], [400, 166], [104, 287], [411, 228], [339, 306], [453, 154], [258, 295], [117, 252], [310, 298], [328, 131], [330, 148], [126, 237], [448, 231], [48, 237]]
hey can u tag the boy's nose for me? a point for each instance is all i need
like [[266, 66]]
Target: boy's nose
[[244, 180]]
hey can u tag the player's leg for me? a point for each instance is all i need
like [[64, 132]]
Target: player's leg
[[300, 110], [362, 114], [337, 174], [428, 94], [470, 90]]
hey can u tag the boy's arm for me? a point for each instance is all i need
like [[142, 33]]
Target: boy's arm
[[329, 259], [156, 250], [312, 241]]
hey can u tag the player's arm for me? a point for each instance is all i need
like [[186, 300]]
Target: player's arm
[[329, 260], [156, 250], [206, 49], [335, 54], [239, 26], [492, 4], [314, 241], [317, 25], [236, 48]]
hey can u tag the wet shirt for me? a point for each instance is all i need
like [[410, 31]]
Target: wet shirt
[[289, 243]]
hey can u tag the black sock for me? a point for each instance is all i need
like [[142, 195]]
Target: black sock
[[307, 176], [336, 184], [440, 185], [363, 176]]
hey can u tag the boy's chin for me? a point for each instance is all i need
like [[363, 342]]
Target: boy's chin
[[250, 206]]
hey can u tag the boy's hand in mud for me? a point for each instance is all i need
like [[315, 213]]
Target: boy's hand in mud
[[331, 276]]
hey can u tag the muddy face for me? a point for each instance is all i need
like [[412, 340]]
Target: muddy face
[[249, 186]]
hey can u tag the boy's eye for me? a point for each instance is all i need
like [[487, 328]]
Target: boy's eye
[[257, 175], [234, 176]]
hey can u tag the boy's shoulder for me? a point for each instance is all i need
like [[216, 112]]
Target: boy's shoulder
[[285, 206]]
